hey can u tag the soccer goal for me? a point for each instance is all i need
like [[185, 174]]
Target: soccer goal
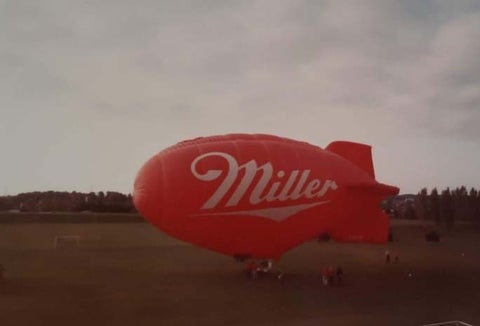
[[66, 241]]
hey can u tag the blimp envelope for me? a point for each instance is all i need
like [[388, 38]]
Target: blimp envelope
[[260, 195]]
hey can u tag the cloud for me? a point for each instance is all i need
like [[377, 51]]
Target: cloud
[[153, 73], [445, 81]]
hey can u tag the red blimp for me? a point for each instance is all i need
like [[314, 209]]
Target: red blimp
[[257, 196]]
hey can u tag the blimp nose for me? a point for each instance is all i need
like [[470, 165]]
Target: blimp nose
[[147, 194]]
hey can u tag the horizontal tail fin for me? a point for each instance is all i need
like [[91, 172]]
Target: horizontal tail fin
[[376, 188], [358, 154]]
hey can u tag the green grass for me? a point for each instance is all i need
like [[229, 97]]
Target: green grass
[[134, 275]]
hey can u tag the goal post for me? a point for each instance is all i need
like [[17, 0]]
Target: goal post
[[61, 241]]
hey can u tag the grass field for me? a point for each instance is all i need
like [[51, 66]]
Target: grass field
[[130, 274]]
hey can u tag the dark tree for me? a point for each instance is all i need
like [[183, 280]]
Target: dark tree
[[447, 208], [421, 205], [55, 201], [435, 206]]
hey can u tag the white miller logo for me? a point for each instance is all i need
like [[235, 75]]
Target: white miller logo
[[294, 188]]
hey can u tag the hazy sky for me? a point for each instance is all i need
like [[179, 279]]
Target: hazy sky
[[89, 90]]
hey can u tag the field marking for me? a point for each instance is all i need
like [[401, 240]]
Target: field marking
[[447, 323]]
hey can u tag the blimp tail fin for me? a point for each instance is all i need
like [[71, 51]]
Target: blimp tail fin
[[362, 220], [358, 154], [371, 228]]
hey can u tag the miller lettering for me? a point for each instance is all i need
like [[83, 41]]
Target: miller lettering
[[295, 187]]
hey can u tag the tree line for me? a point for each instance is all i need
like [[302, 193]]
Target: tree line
[[443, 207], [56, 201]]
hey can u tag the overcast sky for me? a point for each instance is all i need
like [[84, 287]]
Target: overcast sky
[[89, 90]]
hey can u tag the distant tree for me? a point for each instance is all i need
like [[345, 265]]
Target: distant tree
[[101, 201], [460, 202], [447, 208], [421, 205], [47, 202], [472, 209], [3, 204], [476, 217], [409, 211], [435, 206], [91, 202], [131, 206]]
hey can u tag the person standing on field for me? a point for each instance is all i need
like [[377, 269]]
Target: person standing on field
[[252, 269], [387, 257], [2, 270], [324, 274], [339, 275]]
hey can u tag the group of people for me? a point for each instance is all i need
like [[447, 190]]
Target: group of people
[[332, 275], [254, 269], [388, 257]]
